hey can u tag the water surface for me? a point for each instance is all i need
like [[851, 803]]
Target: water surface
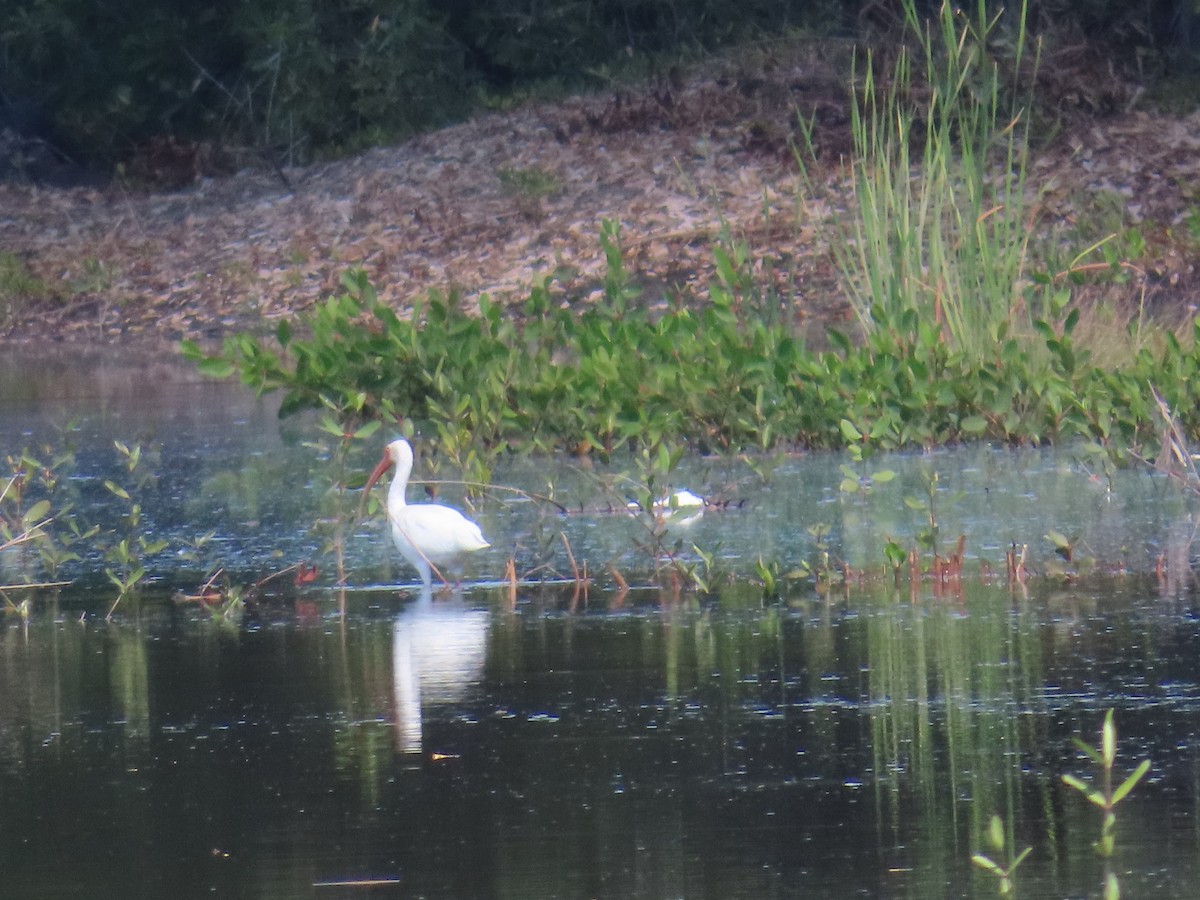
[[359, 740]]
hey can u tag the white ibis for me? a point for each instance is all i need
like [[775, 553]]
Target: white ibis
[[428, 535]]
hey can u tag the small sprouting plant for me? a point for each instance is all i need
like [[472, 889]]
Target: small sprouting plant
[[927, 536], [657, 508], [21, 522], [896, 556], [714, 571], [126, 556], [996, 843], [820, 567], [1106, 797], [94, 276], [768, 574], [1064, 546], [853, 483], [776, 579]]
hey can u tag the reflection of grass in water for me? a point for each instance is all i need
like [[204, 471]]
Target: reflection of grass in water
[[752, 706], [129, 670]]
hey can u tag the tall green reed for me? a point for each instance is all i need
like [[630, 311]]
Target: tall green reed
[[943, 216]]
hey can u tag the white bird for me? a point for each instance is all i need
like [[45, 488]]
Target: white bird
[[683, 499], [679, 500], [428, 535]]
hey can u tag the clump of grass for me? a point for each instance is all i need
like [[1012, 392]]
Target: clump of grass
[[531, 181], [19, 287], [943, 220]]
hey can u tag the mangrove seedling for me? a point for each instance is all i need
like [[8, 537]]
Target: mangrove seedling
[[132, 545], [852, 482], [1106, 797], [997, 842]]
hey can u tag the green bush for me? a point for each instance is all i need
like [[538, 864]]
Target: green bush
[[715, 373]]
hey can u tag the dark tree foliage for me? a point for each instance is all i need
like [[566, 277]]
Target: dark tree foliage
[[303, 78]]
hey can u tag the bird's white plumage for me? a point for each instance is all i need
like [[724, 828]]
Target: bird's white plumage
[[426, 534]]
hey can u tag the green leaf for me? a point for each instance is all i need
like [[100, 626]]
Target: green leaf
[[36, 512], [215, 367], [849, 432], [1093, 796], [895, 554], [883, 476], [116, 489], [329, 426], [839, 340], [1128, 784], [996, 833], [1089, 751], [664, 458], [1075, 782], [974, 424], [283, 332], [367, 430], [1108, 741], [1058, 539], [1071, 321], [984, 863]]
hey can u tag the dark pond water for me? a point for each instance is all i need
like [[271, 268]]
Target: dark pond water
[[368, 742]]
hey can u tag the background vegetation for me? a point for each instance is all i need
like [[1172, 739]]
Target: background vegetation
[[967, 314], [320, 77]]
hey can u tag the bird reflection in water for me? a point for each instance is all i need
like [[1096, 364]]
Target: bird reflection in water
[[438, 651]]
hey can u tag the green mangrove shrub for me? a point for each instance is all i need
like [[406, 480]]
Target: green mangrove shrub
[[39, 530], [715, 373]]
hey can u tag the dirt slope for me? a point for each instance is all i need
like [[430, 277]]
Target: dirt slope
[[495, 202]]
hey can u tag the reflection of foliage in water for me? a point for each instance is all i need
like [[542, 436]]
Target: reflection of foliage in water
[[877, 714], [130, 680], [358, 668], [943, 684]]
